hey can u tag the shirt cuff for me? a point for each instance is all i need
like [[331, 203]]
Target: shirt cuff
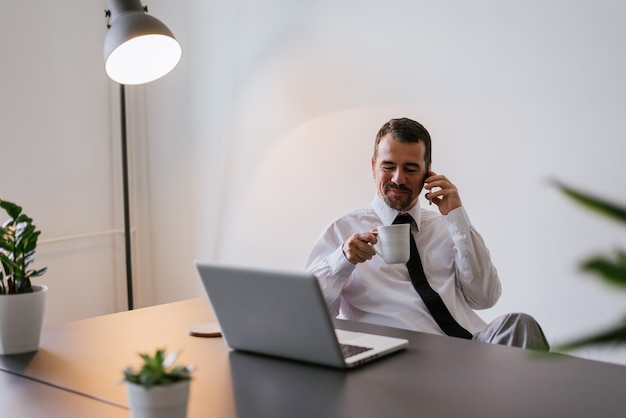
[[339, 264], [457, 221]]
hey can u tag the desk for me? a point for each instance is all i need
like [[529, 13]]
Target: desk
[[22, 397], [481, 380]]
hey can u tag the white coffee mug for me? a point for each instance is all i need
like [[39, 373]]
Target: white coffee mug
[[394, 243]]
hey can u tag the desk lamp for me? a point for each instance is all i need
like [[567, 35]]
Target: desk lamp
[[138, 49]]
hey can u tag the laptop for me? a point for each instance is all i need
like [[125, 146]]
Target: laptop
[[283, 314]]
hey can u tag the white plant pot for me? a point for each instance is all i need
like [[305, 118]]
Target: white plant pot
[[21, 318], [168, 401]]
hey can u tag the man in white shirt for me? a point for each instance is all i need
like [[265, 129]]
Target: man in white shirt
[[358, 285]]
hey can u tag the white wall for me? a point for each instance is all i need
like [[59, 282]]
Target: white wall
[[57, 157], [270, 118]]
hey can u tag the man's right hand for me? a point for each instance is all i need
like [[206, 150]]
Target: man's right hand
[[359, 247]]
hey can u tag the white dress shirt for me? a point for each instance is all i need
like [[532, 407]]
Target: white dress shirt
[[456, 262]]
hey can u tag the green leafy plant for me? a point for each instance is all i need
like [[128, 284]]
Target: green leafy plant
[[18, 242], [610, 269], [157, 370]]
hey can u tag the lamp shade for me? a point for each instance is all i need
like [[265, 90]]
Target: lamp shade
[[138, 48]]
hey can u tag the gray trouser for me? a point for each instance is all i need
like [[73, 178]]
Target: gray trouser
[[516, 330]]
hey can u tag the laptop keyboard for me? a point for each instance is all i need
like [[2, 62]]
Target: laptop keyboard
[[352, 350]]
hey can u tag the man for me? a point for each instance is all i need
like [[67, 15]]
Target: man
[[457, 269]]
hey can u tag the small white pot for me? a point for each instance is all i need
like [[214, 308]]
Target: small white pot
[[167, 401], [21, 318]]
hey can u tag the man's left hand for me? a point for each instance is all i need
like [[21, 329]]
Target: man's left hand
[[446, 197]]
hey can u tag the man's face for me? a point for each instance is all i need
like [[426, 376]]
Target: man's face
[[399, 171]]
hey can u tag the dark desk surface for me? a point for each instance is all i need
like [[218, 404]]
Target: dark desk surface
[[435, 377], [23, 397]]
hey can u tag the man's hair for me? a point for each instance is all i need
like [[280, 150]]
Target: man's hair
[[405, 130]]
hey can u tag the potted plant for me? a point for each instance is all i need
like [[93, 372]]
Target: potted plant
[[611, 269], [21, 303], [158, 389]]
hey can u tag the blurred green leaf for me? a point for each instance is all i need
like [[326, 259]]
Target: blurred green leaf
[[611, 271], [601, 206], [615, 335]]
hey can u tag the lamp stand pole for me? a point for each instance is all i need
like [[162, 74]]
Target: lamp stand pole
[[129, 267]]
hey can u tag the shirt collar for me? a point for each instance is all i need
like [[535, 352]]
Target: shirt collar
[[387, 214]]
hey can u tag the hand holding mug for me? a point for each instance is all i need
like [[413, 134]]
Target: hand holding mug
[[359, 247]]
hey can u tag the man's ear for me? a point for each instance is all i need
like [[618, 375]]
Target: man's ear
[[373, 167]]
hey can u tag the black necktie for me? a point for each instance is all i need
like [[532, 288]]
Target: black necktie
[[431, 299]]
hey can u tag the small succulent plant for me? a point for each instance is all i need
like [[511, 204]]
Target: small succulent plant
[[158, 369]]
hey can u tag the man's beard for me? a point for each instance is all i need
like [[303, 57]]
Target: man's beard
[[398, 203]]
